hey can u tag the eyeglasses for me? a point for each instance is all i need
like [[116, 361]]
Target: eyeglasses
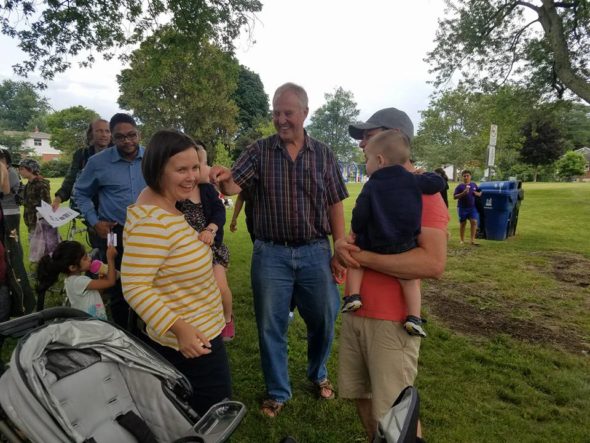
[[122, 137]]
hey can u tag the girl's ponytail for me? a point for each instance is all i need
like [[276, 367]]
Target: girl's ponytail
[[46, 274], [66, 254]]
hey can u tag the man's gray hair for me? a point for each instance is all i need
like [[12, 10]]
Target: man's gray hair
[[295, 89]]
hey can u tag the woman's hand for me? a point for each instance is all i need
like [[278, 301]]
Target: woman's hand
[[192, 343]]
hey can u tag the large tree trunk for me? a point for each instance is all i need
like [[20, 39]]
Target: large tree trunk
[[553, 27]]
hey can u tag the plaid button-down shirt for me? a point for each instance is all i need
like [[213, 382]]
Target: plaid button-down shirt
[[290, 199]]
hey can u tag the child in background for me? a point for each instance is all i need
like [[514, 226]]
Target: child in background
[[387, 215], [205, 212], [70, 258], [36, 190]]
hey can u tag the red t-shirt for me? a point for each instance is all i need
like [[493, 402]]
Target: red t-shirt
[[382, 294]]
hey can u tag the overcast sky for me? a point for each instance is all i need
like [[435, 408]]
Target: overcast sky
[[374, 48]]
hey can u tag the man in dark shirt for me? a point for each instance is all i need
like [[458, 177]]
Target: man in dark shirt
[[99, 138], [297, 192]]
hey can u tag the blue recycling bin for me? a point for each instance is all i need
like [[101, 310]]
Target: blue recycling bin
[[501, 204]]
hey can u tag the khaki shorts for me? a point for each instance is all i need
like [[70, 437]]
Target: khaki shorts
[[377, 359]]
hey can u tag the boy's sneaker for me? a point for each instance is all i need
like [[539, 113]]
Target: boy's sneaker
[[413, 326], [228, 332], [351, 303]]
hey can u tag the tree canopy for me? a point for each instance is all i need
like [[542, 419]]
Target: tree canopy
[[541, 43], [68, 128], [20, 105], [175, 83], [52, 33], [251, 99], [329, 123], [455, 129]]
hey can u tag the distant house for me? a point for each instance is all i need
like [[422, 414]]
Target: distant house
[[39, 142], [586, 153]]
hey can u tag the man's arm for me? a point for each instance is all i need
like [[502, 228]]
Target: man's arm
[[477, 191], [65, 192], [85, 188], [458, 194], [237, 210], [428, 260], [336, 218], [222, 177]]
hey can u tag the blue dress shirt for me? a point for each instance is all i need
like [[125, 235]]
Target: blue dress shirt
[[115, 180]]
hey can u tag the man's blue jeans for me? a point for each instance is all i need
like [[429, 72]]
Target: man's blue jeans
[[278, 274]]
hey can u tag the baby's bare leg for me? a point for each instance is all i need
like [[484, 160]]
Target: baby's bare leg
[[412, 296], [354, 278]]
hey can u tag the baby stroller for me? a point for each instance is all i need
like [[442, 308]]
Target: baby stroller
[[400, 423], [73, 378]]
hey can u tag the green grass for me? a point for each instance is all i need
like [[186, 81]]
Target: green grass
[[506, 358]]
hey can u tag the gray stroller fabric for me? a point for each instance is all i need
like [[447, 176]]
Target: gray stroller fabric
[[69, 381]]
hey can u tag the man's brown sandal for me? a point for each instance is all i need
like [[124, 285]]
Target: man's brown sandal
[[271, 408], [325, 390]]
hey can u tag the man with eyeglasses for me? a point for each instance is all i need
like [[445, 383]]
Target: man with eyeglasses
[[377, 358], [115, 176]]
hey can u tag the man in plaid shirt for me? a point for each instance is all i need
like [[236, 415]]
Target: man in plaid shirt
[[297, 191]]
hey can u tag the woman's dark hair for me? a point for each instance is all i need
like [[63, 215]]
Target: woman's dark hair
[[163, 145], [442, 173], [5, 154], [66, 254]]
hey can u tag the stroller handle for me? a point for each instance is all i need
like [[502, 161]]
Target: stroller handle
[[18, 327]]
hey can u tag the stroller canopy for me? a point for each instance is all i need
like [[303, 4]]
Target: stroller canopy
[[71, 380]]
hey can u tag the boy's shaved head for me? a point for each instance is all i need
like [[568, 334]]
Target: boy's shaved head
[[392, 145]]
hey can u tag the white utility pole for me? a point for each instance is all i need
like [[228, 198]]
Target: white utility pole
[[491, 151]]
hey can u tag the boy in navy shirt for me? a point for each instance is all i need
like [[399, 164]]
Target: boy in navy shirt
[[386, 218], [465, 194]]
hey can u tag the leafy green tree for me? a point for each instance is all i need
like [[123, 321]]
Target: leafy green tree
[[570, 165], [329, 123], [251, 99], [573, 120], [264, 127], [541, 43], [52, 33], [14, 144], [542, 143], [222, 156], [68, 128], [174, 83], [20, 105]]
